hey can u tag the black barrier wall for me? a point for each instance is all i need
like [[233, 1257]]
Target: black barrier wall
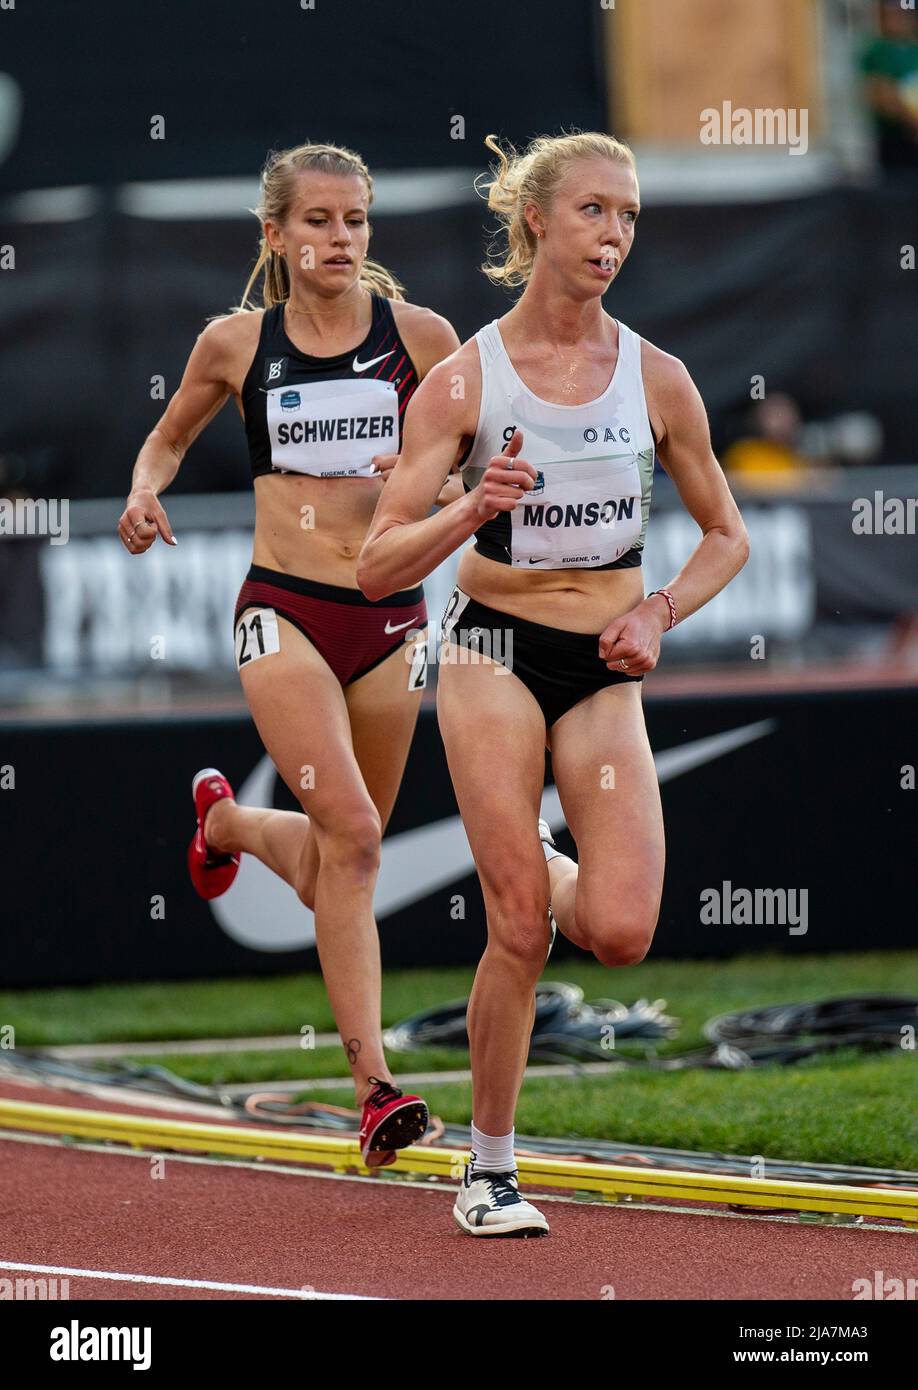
[[804, 795], [232, 79]]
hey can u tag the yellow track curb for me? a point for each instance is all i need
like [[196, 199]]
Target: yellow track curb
[[609, 1180]]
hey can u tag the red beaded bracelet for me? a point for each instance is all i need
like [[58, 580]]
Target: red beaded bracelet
[[665, 593]]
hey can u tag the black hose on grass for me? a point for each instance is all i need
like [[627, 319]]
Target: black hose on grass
[[566, 1028]]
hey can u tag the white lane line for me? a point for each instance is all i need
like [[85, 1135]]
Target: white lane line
[[574, 1070], [191, 1047], [441, 1187], [306, 1291]]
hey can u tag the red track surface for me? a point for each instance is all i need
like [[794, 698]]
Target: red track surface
[[64, 1206]]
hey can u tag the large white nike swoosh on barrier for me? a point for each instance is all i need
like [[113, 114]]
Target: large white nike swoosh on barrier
[[263, 912]]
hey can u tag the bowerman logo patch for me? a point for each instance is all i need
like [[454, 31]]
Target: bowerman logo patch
[[276, 371]]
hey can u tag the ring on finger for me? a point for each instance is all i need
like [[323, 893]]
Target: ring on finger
[[623, 663]]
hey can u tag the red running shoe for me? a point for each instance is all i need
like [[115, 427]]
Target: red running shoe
[[391, 1121], [211, 873]]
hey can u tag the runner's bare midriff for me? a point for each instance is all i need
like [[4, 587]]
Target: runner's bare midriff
[[576, 600], [313, 527]]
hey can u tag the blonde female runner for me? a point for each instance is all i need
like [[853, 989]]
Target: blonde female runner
[[321, 376], [549, 633]]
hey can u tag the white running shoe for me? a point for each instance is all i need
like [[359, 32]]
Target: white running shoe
[[489, 1204], [546, 837]]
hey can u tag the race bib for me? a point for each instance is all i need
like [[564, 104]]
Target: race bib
[[417, 675], [582, 513], [332, 429], [458, 601], [256, 635]]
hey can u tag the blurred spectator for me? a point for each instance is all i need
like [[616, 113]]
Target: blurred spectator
[[889, 63], [771, 453], [780, 449], [854, 439]]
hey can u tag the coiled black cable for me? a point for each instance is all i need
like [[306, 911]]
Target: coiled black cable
[[564, 1025], [566, 1028]]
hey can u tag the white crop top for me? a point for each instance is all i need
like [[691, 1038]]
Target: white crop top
[[591, 503]]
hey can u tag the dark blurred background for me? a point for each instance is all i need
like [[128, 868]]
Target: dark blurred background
[[783, 277]]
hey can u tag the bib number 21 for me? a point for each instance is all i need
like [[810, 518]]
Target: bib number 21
[[256, 636]]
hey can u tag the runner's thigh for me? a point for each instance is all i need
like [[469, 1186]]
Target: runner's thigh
[[301, 715], [383, 710], [605, 775], [494, 735]]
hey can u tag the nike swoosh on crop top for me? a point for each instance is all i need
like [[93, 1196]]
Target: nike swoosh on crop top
[[326, 416], [591, 503]]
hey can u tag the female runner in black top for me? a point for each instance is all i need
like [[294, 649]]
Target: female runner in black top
[[321, 376]]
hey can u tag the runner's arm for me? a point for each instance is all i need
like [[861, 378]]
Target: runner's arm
[[200, 395], [437, 340], [684, 449], [404, 543]]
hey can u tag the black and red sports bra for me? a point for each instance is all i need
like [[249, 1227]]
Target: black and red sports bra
[[326, 416]]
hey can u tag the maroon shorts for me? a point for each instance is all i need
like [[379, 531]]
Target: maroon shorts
[[352, 633]]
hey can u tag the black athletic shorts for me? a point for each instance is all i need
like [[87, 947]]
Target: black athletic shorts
[[560, 668]]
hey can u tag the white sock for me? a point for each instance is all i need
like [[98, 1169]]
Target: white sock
[[492, 1153], [550, 851]]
